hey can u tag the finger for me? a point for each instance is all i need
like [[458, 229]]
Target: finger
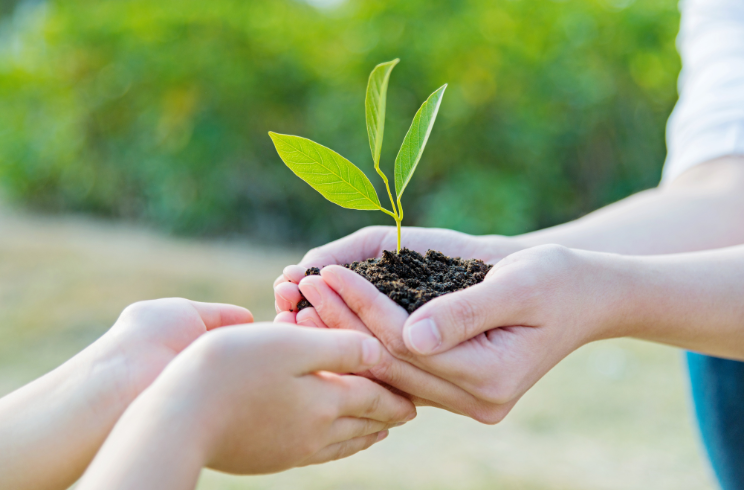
[[381, 315], [280, 280], [451, 319], [345, 449], [286, 317], [294, 273], [215, 315], [346, 428], [309, 318], [424, 388], [287, 295], [363, 244], [338, 351], [329, 307], [360, 397]]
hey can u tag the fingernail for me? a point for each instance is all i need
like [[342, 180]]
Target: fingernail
[[382, 435], [371, 352], [332, 279], [424, 336], [410, 417], [310, 292]]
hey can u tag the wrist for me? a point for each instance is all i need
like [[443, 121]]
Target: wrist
[[151, 446], [615, 281]]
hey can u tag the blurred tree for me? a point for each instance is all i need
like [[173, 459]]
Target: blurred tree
[[159, 110]]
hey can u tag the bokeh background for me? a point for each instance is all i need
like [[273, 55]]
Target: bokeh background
[[135, 163]]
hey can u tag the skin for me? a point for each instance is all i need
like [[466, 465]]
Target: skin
[[671, 219], [51, 428], [249, 400]]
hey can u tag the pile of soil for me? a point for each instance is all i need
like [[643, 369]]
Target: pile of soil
[[412, 280]]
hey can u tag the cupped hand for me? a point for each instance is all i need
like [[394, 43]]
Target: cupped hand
[[149, 334], [370, 242], [54, 426], [488, 344], [250, 400]]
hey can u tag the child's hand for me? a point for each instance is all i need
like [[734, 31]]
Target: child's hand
[[51, 428], [254, 399]]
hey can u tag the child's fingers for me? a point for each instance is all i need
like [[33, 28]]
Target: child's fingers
[[216, 315], [345, 449], [337, 351], [363, 398], [286, 317], [279, 280], [309, 318], [287, 295], [347, 428]]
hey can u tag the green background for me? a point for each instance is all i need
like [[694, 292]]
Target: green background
[[159, 110]]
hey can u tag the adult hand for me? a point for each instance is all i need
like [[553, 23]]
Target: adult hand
[[250, 400], [494, 340], [370, 242], [51, 428]]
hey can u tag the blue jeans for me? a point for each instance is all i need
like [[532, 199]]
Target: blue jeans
[[718, 393]]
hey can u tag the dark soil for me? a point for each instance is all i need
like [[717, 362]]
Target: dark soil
[[411, 280]]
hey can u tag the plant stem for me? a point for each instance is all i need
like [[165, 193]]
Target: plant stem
[[387, 186], [397, 222]]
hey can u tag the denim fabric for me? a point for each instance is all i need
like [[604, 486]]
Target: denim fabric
[[718, 393]]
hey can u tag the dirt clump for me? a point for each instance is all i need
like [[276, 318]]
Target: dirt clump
[[411, 279]]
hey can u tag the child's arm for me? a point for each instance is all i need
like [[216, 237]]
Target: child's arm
[[250, 400], [51, 428]]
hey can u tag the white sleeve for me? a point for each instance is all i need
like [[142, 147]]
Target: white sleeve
[[708, 120]]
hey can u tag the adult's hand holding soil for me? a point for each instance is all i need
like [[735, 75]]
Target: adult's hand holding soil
[[492, 341], [370, 242]]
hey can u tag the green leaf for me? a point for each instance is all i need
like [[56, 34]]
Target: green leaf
[[336, 178], [415, 140], [374, 106]]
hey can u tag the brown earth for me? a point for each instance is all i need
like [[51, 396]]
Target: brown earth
[[411, 279]]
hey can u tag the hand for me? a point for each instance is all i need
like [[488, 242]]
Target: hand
[[492, 341], [370, 242], [249, 400], [51, 428]]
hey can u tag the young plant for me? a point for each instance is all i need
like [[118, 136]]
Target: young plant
[[342, 182]]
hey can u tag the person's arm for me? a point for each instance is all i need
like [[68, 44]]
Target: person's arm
[[702, 209], [51, 428], [494, 340], [250, 400]]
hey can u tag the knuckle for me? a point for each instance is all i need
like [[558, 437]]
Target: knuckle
[[374, 405], [386, 371], [462, 315]]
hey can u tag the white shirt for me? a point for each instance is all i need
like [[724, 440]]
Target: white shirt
[[708, 120]]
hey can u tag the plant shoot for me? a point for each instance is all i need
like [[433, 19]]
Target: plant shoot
[[342, 182]]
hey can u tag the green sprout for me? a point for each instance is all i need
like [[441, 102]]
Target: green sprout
[[342, 182]]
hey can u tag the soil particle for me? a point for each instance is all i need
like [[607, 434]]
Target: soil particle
[[411, 280]]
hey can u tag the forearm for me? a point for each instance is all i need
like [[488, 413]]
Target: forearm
[[692, 300], [702, 209], [50, 429], [148, 448]]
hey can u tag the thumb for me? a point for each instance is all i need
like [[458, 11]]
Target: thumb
[[449, 320], [338, 351]]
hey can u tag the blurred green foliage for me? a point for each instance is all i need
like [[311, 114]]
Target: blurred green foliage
[[159, 110]]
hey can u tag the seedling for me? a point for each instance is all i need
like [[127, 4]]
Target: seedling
[[342, 182]]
